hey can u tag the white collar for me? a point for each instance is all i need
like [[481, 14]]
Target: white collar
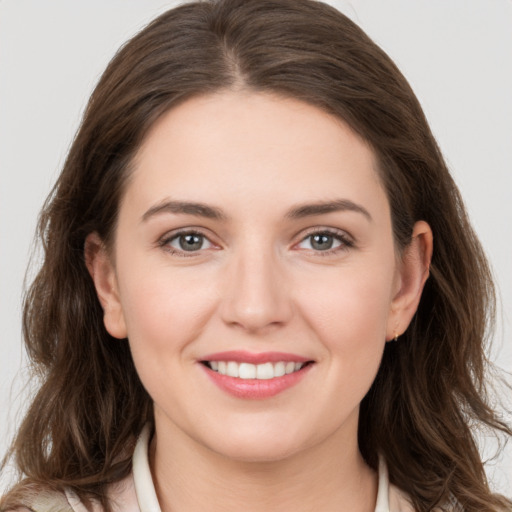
[[148, 501], [146, 494]]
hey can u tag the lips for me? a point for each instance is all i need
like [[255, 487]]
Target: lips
[[255, 376]]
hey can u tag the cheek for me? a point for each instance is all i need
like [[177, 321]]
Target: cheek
[[348, 313], [165, 311], [166, 307], [346, 301]]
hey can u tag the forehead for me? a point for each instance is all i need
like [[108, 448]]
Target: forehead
[[253, 147]]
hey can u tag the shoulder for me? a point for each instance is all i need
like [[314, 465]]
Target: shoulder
[[40, 500], [51, 502], [121, 496], [399, 501], [391, 498], [34, 498]]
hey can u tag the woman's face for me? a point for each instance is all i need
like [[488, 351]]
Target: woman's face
[[254, 238]]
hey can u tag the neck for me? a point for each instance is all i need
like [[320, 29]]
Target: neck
[[330, 476]]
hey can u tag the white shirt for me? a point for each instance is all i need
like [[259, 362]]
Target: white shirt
[[136, 493]]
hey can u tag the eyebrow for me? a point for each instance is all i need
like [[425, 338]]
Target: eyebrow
[[321, 208], [212, 212], [186, 207]]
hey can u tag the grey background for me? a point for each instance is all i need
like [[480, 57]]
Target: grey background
[[457, 55]]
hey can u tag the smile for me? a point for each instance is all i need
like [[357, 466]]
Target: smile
[[263, 371], [251, 376]]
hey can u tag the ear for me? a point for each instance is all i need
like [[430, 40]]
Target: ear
[[102, 271], [412, 274]]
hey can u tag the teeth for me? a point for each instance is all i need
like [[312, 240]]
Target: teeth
[[232, 369], [289, 368], [279, 369], [246, 371], [263, 371]]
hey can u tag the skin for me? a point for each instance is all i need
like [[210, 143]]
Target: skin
[[257, 283]]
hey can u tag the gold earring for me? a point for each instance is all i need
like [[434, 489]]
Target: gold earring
[[395, 338]]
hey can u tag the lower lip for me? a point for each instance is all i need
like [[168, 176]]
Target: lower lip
[[256, 389]]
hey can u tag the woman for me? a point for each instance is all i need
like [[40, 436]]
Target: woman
[[259, 282]]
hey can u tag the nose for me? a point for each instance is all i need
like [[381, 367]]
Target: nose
[[256, 294]]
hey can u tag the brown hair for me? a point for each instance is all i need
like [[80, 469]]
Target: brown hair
[[430, 388]]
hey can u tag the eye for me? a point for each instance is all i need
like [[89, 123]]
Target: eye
[[325, 241], [186, 241]]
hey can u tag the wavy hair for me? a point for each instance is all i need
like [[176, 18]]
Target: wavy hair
[[430, 390]]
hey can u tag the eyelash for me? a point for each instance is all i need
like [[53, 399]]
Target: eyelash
[[345, 241], [167, 239]]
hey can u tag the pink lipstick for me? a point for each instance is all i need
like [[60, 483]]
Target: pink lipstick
[[255, 375]]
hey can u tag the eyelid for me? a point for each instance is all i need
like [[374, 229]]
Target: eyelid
[[347, 241], [164, 241]]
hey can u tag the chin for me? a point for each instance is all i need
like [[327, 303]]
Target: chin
[[258, 445], [256, 452]]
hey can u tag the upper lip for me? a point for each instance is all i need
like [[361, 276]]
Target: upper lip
[[241, 356]]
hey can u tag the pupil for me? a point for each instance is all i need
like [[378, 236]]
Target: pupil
[[322, 242], [190, 242]]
